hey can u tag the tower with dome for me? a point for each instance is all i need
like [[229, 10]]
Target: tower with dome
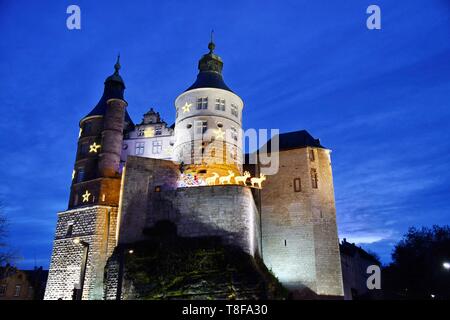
[[134, 183]]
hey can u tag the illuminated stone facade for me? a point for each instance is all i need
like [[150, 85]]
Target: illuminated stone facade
[[209, 123], [152, 138], [97, 226], [118, 194], [150, 194], [299, 233]]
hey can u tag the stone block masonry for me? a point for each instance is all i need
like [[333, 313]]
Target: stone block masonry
[[299, 232], [95, 225], [150, 194]]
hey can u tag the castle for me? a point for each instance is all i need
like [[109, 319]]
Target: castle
[[128, 177]]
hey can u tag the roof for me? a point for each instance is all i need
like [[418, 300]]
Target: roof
[[210, 71], [350, 249], [209, 79], [114, 89], [38, 274], [295, 140]]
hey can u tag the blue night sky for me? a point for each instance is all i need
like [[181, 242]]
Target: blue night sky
[[378, 99]]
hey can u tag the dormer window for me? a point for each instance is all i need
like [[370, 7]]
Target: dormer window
[[141, 132], [158, 131], [220, 104], [202, 103]]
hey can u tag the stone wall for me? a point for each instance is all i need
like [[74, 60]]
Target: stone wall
[[299, 232], [150, 194], [95, 225]]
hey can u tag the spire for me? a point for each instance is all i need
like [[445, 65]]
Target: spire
[[211, 45], [115, 76], [117, 65], [114, 89]]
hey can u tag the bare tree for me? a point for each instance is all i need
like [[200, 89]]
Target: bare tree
[[6, 255]]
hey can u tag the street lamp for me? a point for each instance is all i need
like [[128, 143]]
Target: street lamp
[[121, 270], [446, 265], [78, 293]]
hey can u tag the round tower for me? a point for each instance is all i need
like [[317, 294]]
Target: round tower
[[208, 123], [113, 127], [96, 174]]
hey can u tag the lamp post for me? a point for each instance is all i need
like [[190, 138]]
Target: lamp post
[[79, 292], [121, 270]]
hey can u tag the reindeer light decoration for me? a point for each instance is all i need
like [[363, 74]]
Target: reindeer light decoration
[[243, 179], [210, 181], [226, 179], [258, 181]]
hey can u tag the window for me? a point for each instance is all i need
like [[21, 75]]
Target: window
[[139, 148], [87, 127], [69, 229], [157, 188], [141, 132], [311, 155], [158, 131], [202, 103], [17, 291], [234, 110], [84, 148], [297, 185], [233, 153], [192, 151], [234, 133], [156, 147], [220, 104], [2, 289], [201, 126], [80, 175], [314, 182]]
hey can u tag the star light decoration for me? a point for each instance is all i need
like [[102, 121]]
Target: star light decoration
[[220, 134], [94, 147], [86, 196], [73, 174], [187, 107]]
